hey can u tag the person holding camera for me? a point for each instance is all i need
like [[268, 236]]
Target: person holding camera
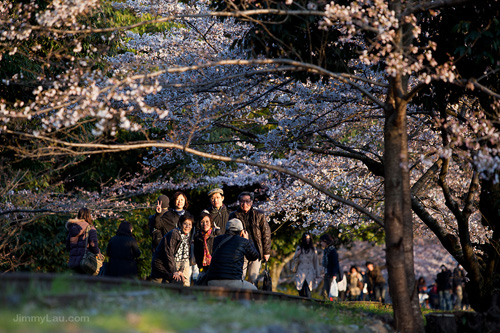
[[259, 233], [230, 251]]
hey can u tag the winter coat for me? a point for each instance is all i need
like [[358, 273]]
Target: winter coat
[[163, 263], [352, 284], [375, 277], [75, 241], [122, 252], [258, 229], [444, 280], [219, 217], [331, 262], [164, 223], [198, 245], [307, 268], [227, 261]]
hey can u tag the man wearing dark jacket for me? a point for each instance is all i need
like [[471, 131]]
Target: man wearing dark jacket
[[230, 251], [444, 287], [255, 223], [157, 228], [218, 211]]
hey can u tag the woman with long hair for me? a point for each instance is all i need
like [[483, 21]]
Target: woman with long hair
[[82, 236], [355, 283], [204, 240], [306, 262]]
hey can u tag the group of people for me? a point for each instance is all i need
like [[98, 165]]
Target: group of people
[[353, 285], [223, 248], [220, 248], [447, 292]]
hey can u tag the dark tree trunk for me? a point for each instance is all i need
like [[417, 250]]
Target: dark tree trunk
[[398, 216]]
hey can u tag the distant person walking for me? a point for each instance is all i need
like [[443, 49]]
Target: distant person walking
[[255, 223], [230, 252], [355, 284], [306, 262], [123, 252], [376, 282], [459, 278], [218, 211], [444, 288], [331, 263], [76, 239]]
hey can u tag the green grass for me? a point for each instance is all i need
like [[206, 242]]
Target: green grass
[[158, 310]]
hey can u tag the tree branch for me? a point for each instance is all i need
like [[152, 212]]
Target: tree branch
[[70, 146]]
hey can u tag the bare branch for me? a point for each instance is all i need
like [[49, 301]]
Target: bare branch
[[169, 145]]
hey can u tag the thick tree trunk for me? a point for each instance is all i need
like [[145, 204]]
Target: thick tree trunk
[[277, 267], [398, 218]]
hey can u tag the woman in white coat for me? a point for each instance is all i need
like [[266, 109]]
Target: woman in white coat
[[306, 263]]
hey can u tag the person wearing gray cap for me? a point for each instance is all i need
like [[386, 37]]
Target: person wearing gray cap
[[229, 254], [218, 211], [259, 233]]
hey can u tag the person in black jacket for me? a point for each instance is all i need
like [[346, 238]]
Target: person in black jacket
[[444, 288], [122, 252], [171, 259], [218, 211], [157, 229], [203, 241], [330, 262], [165, 222], [230, 250]]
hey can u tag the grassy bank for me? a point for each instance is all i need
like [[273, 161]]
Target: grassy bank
[[63, 307]]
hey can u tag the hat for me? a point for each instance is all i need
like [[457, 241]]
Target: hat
[[234, 225], [164, 201], [216, 190]]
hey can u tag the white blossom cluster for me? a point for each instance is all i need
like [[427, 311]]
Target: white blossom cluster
[[180, 81], [376, 17]]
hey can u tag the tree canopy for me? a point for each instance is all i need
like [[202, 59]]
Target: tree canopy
[[399, 126]]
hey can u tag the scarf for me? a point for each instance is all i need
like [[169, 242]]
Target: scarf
[[183, 251], [206, 253]]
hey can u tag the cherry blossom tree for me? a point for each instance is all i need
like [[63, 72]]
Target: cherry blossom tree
[[354, 146]]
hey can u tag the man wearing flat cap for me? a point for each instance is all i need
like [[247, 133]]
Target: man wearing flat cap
[[255, 223], [218, 211], [229, 253]]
